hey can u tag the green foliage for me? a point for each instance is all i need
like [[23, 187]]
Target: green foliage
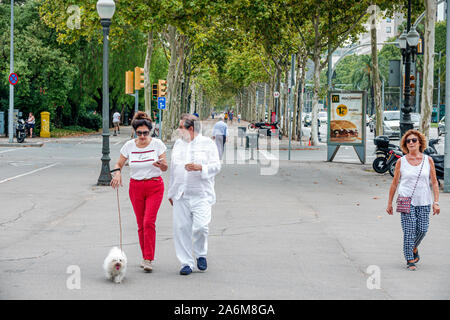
[[90, 120]]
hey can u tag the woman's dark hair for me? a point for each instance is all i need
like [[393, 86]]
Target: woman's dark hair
[[141, 119]]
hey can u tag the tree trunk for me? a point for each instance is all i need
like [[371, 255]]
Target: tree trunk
[[428, 69], [192, 106], [286, 99], [147, 84], [376, 83], [271, 100], [277, 88], [315, 102], [295, 110], [174, 77]]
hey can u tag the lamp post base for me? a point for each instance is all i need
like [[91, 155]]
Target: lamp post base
[[105, 175]]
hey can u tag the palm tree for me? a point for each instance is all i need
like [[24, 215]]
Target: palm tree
[[361, 78]]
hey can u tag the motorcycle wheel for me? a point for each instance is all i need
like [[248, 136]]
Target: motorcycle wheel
[[379, 165], [392, 167], [20, 138]]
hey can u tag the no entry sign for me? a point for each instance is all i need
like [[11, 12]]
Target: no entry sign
[[13, 79]]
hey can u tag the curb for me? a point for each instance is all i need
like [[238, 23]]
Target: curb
[[24, 145]]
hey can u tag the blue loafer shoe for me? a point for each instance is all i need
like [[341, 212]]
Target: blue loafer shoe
[[185, 270], [201, 264]]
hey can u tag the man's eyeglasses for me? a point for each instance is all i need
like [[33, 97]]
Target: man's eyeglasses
[[145, 133], [413, 140]]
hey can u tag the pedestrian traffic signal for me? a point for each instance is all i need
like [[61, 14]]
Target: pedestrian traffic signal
[[155, 91], [162, 88], [138, 78], [129, 82]]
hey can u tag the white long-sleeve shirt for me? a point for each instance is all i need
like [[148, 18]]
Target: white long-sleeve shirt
[[202, 150]]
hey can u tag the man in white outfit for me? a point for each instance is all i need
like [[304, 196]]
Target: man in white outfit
[[193, 166]]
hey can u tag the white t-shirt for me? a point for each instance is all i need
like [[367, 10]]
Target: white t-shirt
[[116, 117], [141, 159]]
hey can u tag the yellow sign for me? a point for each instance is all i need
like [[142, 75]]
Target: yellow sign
[[342, 110]]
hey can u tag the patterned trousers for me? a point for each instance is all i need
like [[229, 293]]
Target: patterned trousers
[[415, 226]]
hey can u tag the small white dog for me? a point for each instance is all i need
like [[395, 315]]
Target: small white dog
[[115, 265]]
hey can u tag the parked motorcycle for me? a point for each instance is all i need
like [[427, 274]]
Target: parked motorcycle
[[20, 131], [270, 127], [430, 151], [386, 154], [437, 158]]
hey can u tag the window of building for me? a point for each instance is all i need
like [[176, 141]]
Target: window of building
[[388, 29]]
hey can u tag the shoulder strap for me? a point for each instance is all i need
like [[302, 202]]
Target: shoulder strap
[[420, 172]]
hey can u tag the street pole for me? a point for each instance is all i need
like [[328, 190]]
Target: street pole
[[105, 175], [11, 87], [136, 104], [291, 100], [439, 91], [405, 113], [136, 101], [417, 108], [160, 124], [447, 106]]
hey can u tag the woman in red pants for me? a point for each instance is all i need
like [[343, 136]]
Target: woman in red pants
[[147, 161]]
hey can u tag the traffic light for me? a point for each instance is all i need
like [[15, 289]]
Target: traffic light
[[155, 91], [162, 88], [138, 78], [129, 82], [412, 85]]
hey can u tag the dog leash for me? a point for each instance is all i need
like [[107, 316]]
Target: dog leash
[[120, 220]]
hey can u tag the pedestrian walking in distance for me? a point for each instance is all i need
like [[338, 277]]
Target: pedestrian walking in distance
[[194, 164], [147, 160], [415, 172], [219, 135], [116, 122]]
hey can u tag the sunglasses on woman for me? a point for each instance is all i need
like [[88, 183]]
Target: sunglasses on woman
[[145, 133], [413, 140]]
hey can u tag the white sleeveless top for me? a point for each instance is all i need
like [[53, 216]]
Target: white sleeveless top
[[408, 178]]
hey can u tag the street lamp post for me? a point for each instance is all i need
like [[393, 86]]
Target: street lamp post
[[408, 44], [11, 87], [105, 9]]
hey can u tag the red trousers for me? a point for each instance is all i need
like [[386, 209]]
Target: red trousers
[[146, 197]]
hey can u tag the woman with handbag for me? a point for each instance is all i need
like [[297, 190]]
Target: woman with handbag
[[414, 171], [147, 160]]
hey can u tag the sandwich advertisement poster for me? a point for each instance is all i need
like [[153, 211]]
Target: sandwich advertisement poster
[[346, 118]]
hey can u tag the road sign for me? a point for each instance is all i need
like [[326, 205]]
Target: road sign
[[13, 79], [162, 103], [276, 94]]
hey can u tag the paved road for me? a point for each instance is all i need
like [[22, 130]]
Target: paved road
[[310, 231]]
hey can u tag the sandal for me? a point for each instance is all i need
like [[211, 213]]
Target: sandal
[[416, 256], [411, 266]]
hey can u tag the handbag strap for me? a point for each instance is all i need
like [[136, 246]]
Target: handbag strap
[[420, 172]]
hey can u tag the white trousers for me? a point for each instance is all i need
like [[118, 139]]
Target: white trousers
[[191, 217]]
